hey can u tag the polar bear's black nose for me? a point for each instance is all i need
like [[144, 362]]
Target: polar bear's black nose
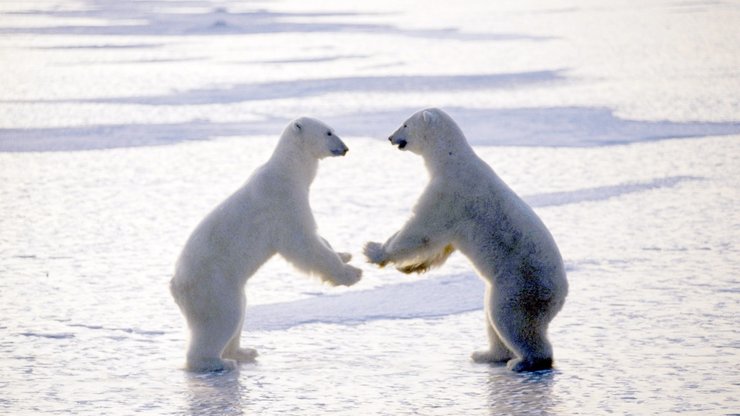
[[390, 139], [340, 152]]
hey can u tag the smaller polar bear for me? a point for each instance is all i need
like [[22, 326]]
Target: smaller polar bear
[[466, 206], [269, 214]]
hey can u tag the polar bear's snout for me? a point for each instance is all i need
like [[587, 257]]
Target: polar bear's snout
[[401, 143], [336, 145], [341, 150]]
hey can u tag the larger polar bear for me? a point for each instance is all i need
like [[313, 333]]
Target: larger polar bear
[[466, 206], [269, 214]]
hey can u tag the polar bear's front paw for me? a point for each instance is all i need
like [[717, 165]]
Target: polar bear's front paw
[[346, 257], [375, 253], [350, 275]]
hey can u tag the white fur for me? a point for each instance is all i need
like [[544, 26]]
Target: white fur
[[466, 206], [269, 214]]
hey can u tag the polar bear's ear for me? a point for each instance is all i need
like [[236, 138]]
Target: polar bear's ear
[[428, 116], [297, 126]]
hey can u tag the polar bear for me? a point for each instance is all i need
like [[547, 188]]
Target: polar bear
[[269, 214], [466, 206]]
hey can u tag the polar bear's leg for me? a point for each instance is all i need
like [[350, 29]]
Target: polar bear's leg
[[412, 242], [524, 332], [497, 351], [206, 344], [345, 257], [214, 316], [233, 351], [420, 245], [425, 241], [308, 252], [521, 324]]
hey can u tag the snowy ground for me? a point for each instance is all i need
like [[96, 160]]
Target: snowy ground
[[123, 123]]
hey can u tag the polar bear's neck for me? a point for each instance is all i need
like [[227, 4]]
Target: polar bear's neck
[[293, 162], [450, 155]]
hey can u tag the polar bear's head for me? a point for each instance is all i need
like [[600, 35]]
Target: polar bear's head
[[316, 138], [426, 130]]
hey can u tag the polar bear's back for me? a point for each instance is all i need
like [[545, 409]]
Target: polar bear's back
[[234, 239], [503, 236]]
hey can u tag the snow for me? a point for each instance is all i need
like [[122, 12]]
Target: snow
[[123, 123]]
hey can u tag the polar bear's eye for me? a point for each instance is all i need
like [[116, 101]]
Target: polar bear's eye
[[328, 133], [404, 126]]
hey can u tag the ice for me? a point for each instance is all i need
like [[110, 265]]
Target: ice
[[123, 123], [431, 298]]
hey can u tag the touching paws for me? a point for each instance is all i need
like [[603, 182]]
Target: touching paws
[[375, 253]]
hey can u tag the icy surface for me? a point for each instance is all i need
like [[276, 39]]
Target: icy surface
[[123, 123]]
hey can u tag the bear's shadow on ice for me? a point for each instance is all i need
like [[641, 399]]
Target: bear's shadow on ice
[[546, 126]]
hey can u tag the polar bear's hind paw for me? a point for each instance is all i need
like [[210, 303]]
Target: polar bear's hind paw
[[245, 355], [211, 365], [519, 365], [489, 357]]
